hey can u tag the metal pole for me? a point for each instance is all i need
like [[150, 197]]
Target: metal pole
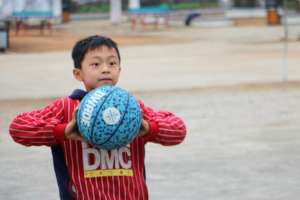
[[285, 44]]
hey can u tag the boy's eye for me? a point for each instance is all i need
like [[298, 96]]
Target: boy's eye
[[113, 63], [95, 64]]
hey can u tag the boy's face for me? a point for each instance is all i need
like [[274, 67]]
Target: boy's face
[[99, 67]]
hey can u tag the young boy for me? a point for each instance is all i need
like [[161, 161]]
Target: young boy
[[117, 174]]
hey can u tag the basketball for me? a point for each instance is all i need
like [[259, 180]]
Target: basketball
[[109, 117]]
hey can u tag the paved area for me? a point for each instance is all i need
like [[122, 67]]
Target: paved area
[[226, 83]]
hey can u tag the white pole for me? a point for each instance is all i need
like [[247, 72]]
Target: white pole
[[115, 11], [285, 44], [134, 4], [226, 4], [56, 6]]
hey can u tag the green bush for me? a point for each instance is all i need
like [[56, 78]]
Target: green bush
[[102, 8], [292, 4], [185, 6]]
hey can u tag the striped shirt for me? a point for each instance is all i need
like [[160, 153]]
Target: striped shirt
[[97, 174]]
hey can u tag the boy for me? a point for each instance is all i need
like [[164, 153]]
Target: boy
[[96, 63]]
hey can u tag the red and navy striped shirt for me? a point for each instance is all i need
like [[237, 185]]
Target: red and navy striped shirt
[[92, 173]]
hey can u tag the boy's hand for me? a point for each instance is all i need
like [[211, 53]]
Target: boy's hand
[[71, 131], [144, 128]]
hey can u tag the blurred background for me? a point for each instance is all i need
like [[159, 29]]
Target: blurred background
[[57, 17], [229, 68]]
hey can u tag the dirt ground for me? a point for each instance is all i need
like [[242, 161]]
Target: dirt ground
[[63, 37], [61, 41]]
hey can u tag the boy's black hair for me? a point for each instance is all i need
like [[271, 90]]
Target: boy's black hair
[[91, 43]]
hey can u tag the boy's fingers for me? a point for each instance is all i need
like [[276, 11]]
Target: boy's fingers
[[80, 138], [75, 113], [144, 128], [77, 137]]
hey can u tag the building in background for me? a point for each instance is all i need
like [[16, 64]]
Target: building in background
[[8, 7]]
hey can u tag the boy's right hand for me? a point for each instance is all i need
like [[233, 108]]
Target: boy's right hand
[[71, 130]]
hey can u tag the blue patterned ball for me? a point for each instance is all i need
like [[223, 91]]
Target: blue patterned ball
[[109, 117]]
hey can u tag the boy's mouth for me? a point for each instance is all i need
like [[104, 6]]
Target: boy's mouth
[[105, 79]]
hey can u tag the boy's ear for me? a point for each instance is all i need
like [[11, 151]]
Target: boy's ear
[[77, 74]]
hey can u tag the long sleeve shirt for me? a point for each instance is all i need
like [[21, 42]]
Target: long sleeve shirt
[[93, 173]]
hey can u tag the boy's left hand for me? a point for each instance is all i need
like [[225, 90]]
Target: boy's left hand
[[71, 131], [144, 128]]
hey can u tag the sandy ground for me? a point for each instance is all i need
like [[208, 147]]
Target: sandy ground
[[243, 131]]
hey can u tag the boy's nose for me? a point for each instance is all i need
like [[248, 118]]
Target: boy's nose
[[105, 68]]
